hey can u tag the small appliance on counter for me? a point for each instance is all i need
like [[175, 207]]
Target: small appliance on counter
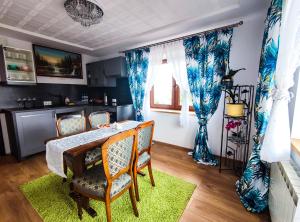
[[114, 102], [105, 99], [47, 103], [26, 103], [96, 101], [84, 99]]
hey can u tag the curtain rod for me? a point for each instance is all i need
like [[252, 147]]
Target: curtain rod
[[186, 36]]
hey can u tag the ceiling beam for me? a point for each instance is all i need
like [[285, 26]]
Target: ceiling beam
[[41, 36]]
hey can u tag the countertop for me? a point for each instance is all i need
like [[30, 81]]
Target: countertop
[[21, 109]]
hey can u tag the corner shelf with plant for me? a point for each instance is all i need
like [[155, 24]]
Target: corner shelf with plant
[[236, 126]]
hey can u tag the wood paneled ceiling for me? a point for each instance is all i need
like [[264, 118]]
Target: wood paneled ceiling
[[125, 22]]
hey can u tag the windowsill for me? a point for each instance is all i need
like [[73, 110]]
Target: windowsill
[[296, 145], [170, 111]]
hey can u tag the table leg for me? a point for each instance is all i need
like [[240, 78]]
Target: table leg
[[78, 166], [85, 203], [88, 209]]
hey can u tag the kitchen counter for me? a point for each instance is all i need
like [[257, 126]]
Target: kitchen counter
[[21, 109], [29, 128]]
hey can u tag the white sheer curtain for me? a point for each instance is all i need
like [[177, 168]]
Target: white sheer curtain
[[277, 144], [175, 55], [176, 59], [154, 69]]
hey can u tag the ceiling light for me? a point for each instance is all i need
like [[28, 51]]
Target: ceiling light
[[87, 12]]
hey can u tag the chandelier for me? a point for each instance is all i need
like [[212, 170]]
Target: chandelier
[[87, 12]]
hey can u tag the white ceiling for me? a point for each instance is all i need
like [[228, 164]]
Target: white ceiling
[[126, 23]]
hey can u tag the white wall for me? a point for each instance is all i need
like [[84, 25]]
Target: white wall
[[41, 79], [294, 110], [245, 53]]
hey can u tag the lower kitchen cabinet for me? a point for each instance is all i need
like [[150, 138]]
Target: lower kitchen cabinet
[[29, 131], [117, 113], [125, 112]]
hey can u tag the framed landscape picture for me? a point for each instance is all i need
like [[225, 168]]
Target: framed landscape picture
[[57, 63]]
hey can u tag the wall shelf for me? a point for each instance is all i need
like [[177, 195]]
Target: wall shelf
[[16, 66]]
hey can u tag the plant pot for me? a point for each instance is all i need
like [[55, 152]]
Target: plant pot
[[235, 110], [227, 83]]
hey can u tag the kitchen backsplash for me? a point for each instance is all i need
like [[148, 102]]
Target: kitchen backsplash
[[10, 94]]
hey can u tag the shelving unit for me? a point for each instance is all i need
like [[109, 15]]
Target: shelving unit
[[17, 66], [235, 142]]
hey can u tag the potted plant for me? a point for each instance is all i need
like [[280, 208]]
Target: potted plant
[[227, 80], [234, 107]]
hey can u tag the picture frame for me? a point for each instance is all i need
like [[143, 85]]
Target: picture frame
[[51, 62]]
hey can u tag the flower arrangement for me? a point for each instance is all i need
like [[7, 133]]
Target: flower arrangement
[[232, 124]]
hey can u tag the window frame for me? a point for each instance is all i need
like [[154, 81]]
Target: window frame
[[175, 99]]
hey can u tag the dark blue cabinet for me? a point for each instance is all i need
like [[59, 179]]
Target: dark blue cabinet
[[104, 73], [29, 129], [115, 67]]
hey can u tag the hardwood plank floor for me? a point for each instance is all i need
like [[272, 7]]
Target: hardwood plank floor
[[213, 200]]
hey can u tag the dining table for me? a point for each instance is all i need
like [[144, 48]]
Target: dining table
[[74, 148]]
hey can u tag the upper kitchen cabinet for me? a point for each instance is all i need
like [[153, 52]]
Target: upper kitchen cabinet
[[115, 67], [16, 66], [95, 74], [104, 73]]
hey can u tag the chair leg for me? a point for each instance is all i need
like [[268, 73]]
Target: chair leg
[[65, 170], [136, 187], [79, 205], [150, 173], [141, 173], [133, 201], [108, 210]]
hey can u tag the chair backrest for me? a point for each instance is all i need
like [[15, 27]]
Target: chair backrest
[[118, 153], [99, 118], [145, 134], [70, 124]]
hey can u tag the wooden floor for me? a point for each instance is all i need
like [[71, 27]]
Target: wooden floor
[[213, 200]]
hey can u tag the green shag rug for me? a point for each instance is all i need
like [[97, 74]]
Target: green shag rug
[[164, 202]]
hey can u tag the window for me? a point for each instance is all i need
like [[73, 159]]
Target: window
[[165, 93]]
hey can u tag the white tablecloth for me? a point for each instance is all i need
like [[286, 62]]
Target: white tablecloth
[[56, 148]]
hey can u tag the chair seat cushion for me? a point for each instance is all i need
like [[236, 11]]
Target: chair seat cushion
[[93, 156], [93, 182], [144, 158]]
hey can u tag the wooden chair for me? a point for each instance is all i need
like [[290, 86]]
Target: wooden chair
[[108, 181], [99, 118], [145, 135], [71, 124]]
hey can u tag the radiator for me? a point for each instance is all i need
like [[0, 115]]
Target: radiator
[[284, 193]]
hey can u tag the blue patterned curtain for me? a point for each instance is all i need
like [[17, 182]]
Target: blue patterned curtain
[[206, 58], [137, 67], [253, 186]]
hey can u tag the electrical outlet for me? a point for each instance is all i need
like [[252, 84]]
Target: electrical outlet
[[47, 103]]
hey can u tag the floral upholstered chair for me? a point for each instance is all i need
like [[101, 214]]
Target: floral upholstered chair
[[108, 181], [71, 124], [145, 134], [99, 118]]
